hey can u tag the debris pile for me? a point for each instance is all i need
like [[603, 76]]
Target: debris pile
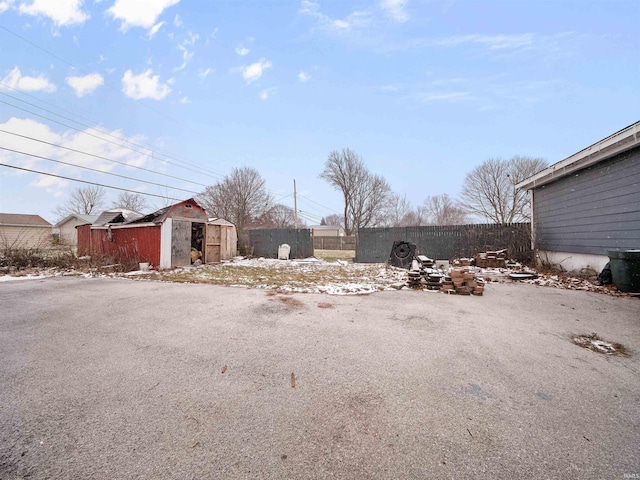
[[463, 282], [458, 280], [497, 259]]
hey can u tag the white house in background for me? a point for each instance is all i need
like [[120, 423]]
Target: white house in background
[[24, 231], [67, 228], [588, 203], [326, 231]]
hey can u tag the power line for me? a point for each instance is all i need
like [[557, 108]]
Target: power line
[[103, 158], [86, 181], [96, 170], [319, 204], [182, 124], [212, 174]]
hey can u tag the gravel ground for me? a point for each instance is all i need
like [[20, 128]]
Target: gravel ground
[[115, 379]]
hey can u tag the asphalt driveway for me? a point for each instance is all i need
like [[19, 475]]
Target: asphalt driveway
[[121, 379]]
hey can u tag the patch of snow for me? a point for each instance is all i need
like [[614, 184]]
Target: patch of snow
[[9, 278]]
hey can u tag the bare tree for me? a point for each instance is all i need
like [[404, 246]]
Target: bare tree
[[400, 212], [442, 210], [131, 201], [365, 194], [489, 190], [87, 200], [240, 197], [334, 219], [279, 216]]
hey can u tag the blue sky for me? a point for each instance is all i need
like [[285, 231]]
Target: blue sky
[[423, 90]]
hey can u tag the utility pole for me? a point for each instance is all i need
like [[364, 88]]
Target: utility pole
[[295, 204]]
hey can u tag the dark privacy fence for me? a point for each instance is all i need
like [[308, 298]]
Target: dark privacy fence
[[265, 243], [446, 241]]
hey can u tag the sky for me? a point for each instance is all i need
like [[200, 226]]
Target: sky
[[165, 97]]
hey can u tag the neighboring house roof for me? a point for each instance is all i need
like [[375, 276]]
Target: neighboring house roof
[[83, 218], [325, 227], [117, 215], [22, 220], [619, 142]]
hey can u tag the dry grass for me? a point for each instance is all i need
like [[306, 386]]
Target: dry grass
[[259, 276], [333, 255]]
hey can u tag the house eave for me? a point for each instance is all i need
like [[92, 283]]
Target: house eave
[[619, 142]]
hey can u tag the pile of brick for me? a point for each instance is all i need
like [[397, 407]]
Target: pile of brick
[[462, 282], [497, 259]]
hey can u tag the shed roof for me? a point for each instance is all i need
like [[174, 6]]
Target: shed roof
[[83, 218], [20, 219], [159, 216], [156, 217], [116, 215], [220, 221], [614, 144]]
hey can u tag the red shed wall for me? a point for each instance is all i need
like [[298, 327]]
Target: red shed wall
[[84, 240], [140, 244]]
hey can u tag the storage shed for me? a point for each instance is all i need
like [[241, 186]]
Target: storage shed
[[67, 227], [164, 238], [24, 231], [588, 203]]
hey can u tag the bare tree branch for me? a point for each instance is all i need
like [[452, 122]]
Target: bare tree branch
[[241, 197], [364, 193], [87, 200], [489, 190], [131, 201], [442, 210]]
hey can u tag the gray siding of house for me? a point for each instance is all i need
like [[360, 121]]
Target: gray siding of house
[[592, 210]]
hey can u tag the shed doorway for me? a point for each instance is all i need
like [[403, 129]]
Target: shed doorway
[[186, 237]]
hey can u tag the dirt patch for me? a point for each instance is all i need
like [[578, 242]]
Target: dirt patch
[[595, 343], [326, 305], [290, 301]]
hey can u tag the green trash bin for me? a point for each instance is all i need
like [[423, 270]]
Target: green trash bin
[[625, 269]]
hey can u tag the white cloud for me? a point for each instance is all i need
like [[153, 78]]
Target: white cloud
[[242, 50], [62, 12], [144, 85], [17, 81], [304, 77], [357, 19], [186, 54], [5, 5], [154, 30], [177, 21], [86, 84], [266, 93], [254, 71], [395, 9], [447, 96], [185, 99], [204, 73], [494, 42], [70, 139], [139, 13]]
